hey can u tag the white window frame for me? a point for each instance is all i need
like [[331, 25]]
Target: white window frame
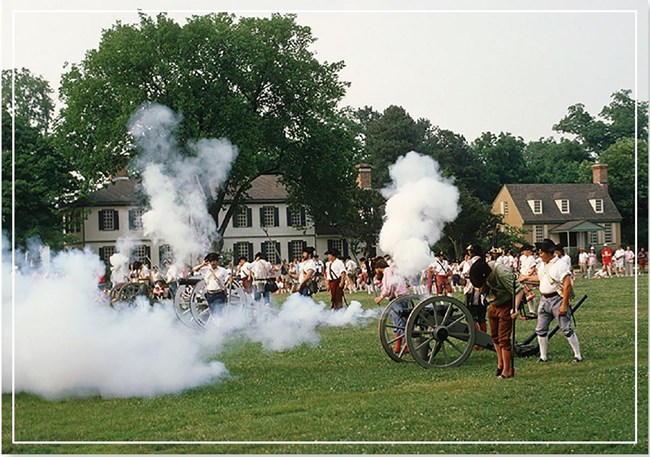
[[504, 207], [241, 249], [140, 253], [598, 205], [296, 249], [536, 206], [268, 249], [609, 233], [242, 216], [269, 216], [108, 220], [563, 205], [137, 214], [538, 233]]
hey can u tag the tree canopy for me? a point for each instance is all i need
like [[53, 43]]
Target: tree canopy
[[254, 81]]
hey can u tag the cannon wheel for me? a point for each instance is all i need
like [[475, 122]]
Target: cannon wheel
[[125, 296], [440, 332], [390, 331], [182, 305], [237, 300]]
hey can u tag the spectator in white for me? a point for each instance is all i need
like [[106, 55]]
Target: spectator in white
[[629, 261], [261, 271], [244, 274], [583, 258], [566, 258], [171, 277], [335, 277], [320, 266], [351, 273], [592, 261], [619, 261], [216, 277], [306, 281], [156, 275], [527, 268]]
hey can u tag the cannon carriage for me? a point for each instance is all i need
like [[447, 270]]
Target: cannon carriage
[[438, 332]]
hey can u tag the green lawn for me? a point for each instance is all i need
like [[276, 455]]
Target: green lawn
[[347, 390]]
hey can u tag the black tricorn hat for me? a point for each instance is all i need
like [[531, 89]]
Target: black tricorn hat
[[479, 272], [308, 249], [334, 252], [547, 245], [212, 256], [526, 247]]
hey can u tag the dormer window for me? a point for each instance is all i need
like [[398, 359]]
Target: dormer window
[[563, 206], [597, 205], [535, 206]]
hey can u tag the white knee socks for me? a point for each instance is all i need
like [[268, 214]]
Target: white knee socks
[[543, 347], [575, 345]]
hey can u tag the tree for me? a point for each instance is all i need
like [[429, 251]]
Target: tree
[[251, 80], [620, 159], [597, 135], [503, 160], [387, 136], [31, 101], [549, 161]]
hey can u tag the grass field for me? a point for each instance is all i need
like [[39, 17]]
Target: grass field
[[346, 396]]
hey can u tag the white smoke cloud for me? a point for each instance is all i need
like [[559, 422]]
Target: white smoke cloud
[[420, 202], [177, 212], [70, 342]]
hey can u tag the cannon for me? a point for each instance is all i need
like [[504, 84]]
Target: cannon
[[438, 332], [192, 308]]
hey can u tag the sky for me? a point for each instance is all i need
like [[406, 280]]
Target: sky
[[467, 66]]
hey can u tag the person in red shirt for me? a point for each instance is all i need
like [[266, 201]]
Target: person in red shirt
[[606, 258]]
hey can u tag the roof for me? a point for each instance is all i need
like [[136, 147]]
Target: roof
[[578, 195], [577, 226], [266, 188], [120, 192]]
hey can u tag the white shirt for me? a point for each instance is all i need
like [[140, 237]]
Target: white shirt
[[440, 267], [305, 266], [214, 279], [528, 262], [172, 274], [261, 269], [551, 275], [350, 266], [244, 270], [629, 255], [582, 258], [334, 269]]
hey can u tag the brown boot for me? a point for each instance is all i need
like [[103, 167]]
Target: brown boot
[[506, 357], [476, 346]]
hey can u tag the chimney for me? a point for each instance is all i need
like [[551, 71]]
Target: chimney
[[599, 171], [120, 175], [364, 176]]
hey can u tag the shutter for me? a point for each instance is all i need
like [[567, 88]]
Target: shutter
[[303, 219], [249, 217], [101, 219], [277, 252], [276, 216], [116, 220], [102, 256], [289, 253], [262, 217], [235, 222], [250, 252], [330, 244], [131, 220], [345, 247], [289, 220], [147, 253]]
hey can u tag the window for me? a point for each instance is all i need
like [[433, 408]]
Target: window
[[108, 220], [269, 216], [539, 233], [295, 249], [242, 217], [296, 218], [609, 236], [597, 205], [243, 249], [72, 222], [593, 238], [340, 245], [165, 252], [105, 253], [271, 249], [536, 206], [135, 218], [563, 206], [504, 207], [142, 253]]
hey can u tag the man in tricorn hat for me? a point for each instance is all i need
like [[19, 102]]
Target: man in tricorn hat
[[335, 277], [499, 285], [555, 286], [307, 277], [216, 277]]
